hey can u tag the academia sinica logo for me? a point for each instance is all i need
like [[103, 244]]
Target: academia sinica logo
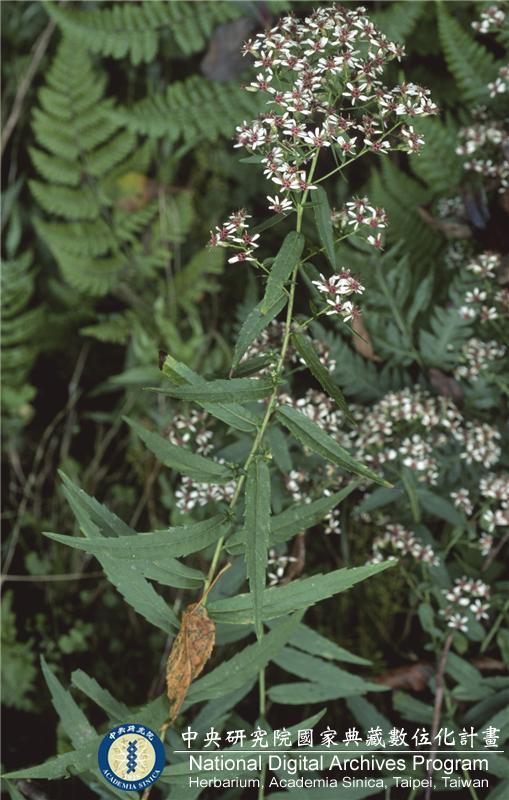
[[131, 757]]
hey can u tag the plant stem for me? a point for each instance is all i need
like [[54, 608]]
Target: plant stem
[[494, 628], [273, 397], [439, 699]]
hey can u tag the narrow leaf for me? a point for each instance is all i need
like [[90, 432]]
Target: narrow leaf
[[232, 414], [89, 686], [240, 390], [305, 348], [323, 222], [174, 542], [284, 264], [281, 600], [300, 517], [254, 324], [311, 435], [257, 529], [197, 467]]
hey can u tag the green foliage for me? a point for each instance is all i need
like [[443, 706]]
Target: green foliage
[[135, 30], [470, 63], [192, 111], [22, 327], [18, 662]]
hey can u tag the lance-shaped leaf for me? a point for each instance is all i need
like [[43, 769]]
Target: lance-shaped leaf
[[232, 674], [89, 686], [254, 324], [173, 542], [281, 600], [197, 467], [323, 222], [235, 390], [106, 521], [314, 437], [296, 519], [257, 528], [282, 268], [232, 414], [305, 348], [274, 298]]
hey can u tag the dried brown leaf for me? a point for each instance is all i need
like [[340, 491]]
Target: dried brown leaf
[[412, 676], [190, 652], [362, 341]]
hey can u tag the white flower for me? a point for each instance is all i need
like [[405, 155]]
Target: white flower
[[279, 206]]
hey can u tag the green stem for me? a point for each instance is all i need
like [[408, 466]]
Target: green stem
[[496, 625], [273, 398]]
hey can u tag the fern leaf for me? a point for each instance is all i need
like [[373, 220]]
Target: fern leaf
[[194, 110], [133, 30], [469, 62]]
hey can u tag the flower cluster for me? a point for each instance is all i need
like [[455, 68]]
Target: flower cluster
[[466, 594], [277, 564], [191, 494], [495, 487], [462, 501], [338, 287], [484, 144], [477, 356], [492, 19], [398, 541], [322, 80], [479, 443], [487, 302], [365, 219], [269, 342], [192, 428], [234, 233]]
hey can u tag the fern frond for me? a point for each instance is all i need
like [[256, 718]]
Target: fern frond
[[133, 30], [80, 153], [401, 196], [193, 110], [399, 20], [197, 278], [21, 328], [437, 164], [112, 328], [469, 62]]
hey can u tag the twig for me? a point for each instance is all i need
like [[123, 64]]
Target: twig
[[437, 708], [24, 85], [299, 554], [494, 553]]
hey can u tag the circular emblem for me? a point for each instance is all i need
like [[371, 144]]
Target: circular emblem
[[131, 757]]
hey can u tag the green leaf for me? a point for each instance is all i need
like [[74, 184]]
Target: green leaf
[[323, 223], [242, 390], [232, 674], [281, 600], [311, 435], [75, 723], [257, 529], [232, 414], [106, 701], [127, 577], [332, 682], [298, 518], [197, 467], [284, 264], [305, 348], [309, 640], [180, 541], [254, 324], [107, 522]]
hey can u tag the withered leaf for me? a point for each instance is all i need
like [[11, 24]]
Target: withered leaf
[[411, 676], [190, 652]]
